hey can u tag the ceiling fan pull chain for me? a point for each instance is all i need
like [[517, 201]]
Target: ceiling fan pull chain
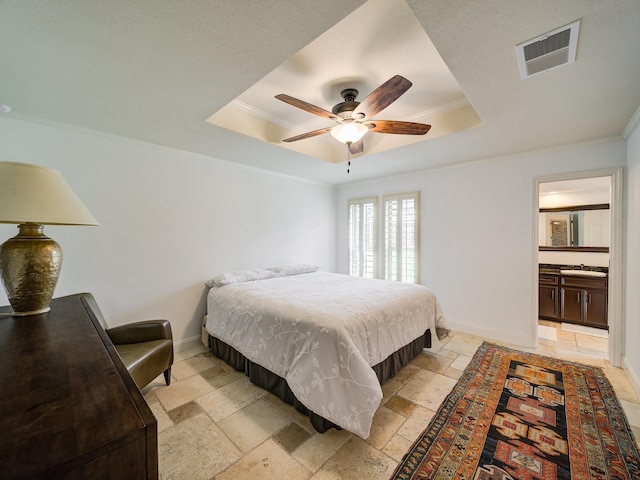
[[348, 156]]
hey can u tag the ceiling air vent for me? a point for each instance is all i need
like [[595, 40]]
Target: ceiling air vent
[[551, 50]]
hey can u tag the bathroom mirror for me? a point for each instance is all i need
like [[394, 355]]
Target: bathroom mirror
[[581, 227]]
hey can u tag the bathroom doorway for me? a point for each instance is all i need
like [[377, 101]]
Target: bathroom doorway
[[589, 203]]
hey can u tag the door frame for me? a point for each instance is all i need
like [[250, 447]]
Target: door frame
[[616, 276]]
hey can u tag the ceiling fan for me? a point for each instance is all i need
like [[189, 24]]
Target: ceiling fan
[[354, 119]]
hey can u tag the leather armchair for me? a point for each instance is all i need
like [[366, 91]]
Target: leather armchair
[[146, 347]]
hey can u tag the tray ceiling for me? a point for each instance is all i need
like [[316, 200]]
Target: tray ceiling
[[388, 40]]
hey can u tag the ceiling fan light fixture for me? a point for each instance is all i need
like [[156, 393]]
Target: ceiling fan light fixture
[[354, 118], [349, 132]]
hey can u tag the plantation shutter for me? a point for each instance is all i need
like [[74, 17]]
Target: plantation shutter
[[362, 237], [401, 237]]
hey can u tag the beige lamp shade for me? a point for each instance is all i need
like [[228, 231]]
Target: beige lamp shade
[[30, 263], [35, 194]]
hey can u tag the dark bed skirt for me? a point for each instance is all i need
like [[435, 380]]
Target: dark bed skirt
[[278, 386]]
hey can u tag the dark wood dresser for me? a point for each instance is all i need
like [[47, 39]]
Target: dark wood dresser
[[68, 407]]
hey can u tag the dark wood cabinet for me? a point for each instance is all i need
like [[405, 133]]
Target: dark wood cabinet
[[573, 299], [571, 304], [68, 407], [584, 300], [548, 297]]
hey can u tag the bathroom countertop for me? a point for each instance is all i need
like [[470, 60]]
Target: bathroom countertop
[[553, 269]]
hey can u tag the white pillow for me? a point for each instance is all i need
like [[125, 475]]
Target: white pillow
[[239, 277], [293, 269]]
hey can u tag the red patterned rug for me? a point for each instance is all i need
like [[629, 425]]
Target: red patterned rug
[[519, 416]]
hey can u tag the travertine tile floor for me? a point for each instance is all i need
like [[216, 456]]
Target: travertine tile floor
[[214, 424]]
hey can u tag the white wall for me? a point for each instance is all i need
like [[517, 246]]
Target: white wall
[[169, 221], [477, 222], [632, 264], [594, 259]]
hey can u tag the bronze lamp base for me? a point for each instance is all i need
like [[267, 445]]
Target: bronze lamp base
[[30, 263]]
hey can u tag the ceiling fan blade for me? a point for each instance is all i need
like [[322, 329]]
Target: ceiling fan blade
[[382, 97], [307, 107], [399, 128], [307, 135], [357, 147]]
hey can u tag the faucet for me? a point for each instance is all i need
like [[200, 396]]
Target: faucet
[[582, 266]]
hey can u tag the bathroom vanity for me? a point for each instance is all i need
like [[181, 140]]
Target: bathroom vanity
[[574, 295]]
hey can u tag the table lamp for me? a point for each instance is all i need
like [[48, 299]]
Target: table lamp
[[33, 196]]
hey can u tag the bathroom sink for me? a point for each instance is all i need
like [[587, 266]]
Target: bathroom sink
[[584, 273]]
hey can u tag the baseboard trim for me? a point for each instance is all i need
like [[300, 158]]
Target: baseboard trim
[[521, 340], [186, 344], [633, 378]]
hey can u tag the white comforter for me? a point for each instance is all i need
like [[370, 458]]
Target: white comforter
[[323, 332]]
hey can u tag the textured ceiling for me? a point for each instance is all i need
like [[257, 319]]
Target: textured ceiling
[[156, 71]]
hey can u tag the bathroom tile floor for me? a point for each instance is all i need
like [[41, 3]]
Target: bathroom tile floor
[[214, 424]]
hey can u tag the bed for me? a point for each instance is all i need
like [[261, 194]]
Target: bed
[[322, 341]]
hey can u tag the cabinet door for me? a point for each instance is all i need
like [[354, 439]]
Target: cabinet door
[[571, 304], [548, 301], [595, 308]]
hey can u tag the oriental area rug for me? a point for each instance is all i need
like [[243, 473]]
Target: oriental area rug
[[520, 416]]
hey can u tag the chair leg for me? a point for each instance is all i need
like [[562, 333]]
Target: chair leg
[[167, 375]]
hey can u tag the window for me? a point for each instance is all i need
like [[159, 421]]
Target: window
[[401, 239], [362, 237], [400, 236]]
